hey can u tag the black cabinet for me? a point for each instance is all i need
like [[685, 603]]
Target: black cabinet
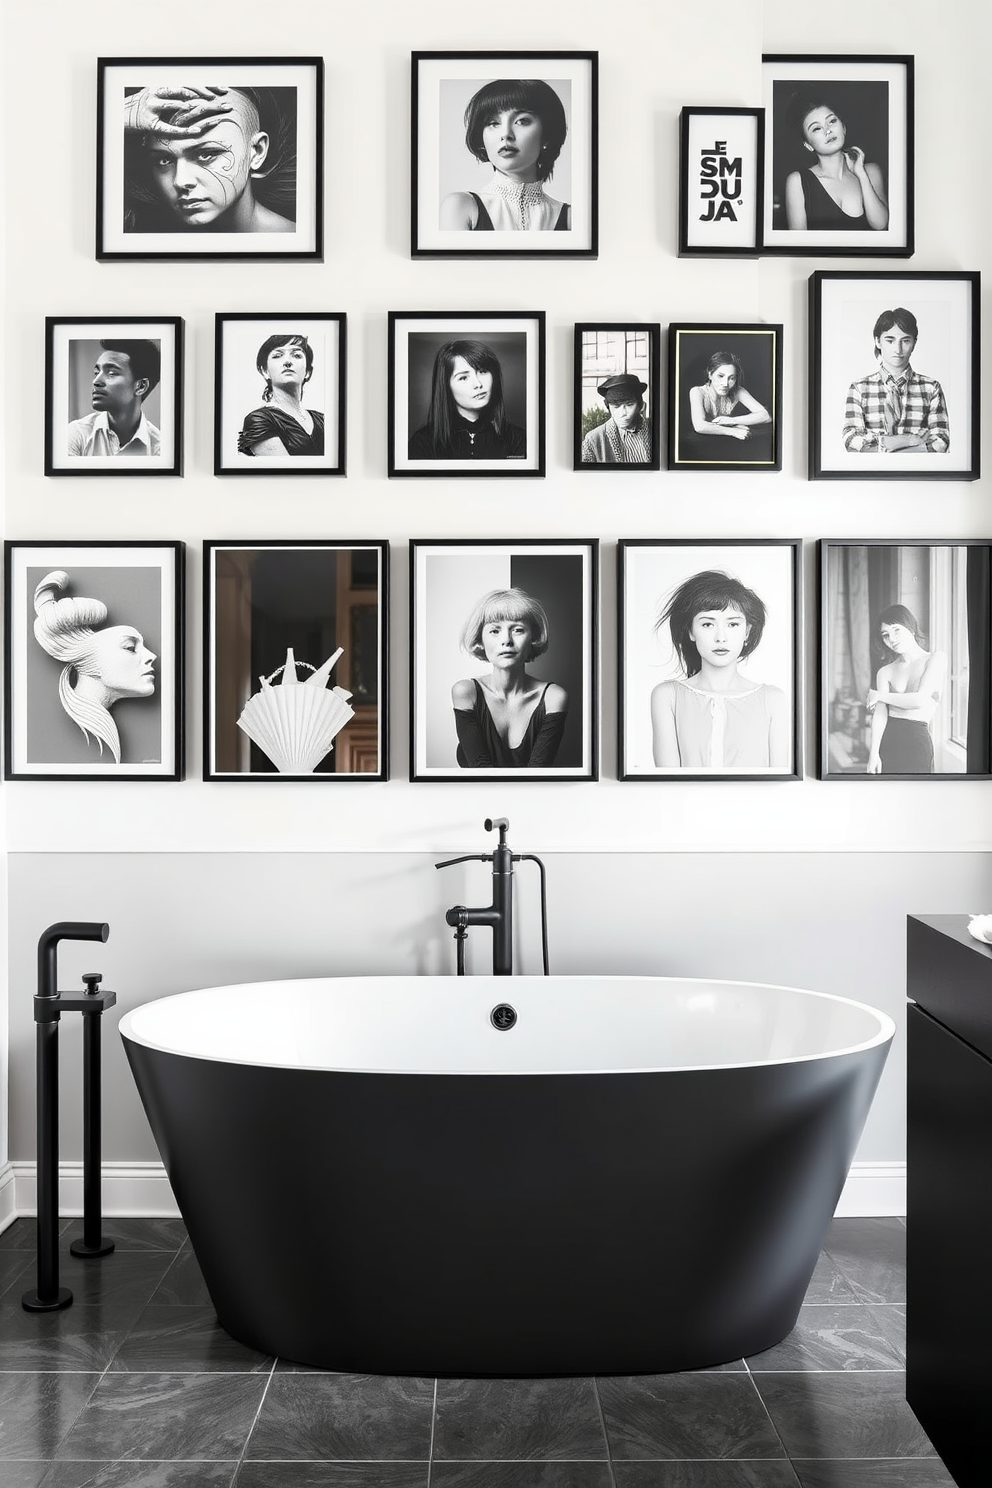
[[949, 1192]]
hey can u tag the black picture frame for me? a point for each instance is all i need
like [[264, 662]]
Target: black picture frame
[[446, 173], [274, 156], [240, 389], [605, 351], [753, 353], [555, 594], [664, 732], [84, 385], [873, 98], [934, 595], [847, 435], [116, 643], [721, 182], [266, 606], [512, 355]]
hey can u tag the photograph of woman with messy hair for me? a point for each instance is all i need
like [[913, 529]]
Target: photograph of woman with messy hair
[[696, 701], [214, 157]]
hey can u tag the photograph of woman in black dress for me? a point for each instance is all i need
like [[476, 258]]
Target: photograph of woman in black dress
[[282, 426]]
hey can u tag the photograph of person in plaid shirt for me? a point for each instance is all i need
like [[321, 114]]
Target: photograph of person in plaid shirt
[[894, 408]]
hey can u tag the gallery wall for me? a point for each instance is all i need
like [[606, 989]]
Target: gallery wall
[[655, 57]]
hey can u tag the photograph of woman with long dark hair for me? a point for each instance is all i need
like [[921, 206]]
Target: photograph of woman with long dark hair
[[518, 126], [466, 416], [838, 189], [510, 718], [907, 692], [203, 159], [283, 426]]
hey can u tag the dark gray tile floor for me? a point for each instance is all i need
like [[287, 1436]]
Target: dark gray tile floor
[[136, 1386]]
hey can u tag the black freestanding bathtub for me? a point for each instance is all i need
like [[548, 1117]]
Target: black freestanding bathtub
[[636, 1176]]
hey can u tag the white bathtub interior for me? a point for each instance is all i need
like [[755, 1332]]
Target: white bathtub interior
[[441, 1025]]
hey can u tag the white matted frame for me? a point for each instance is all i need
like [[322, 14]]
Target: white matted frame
[[872, 97], [240, 389], [507, 436], [721, 181], [442, 163], [143, 212], [77, 368], [936, 436], [94, 689], [731, 714], [555, 592]]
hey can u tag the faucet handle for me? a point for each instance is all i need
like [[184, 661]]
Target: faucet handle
[[91, 981], [500, 822]]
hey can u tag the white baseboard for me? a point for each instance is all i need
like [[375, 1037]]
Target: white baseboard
[[873, 1190], [142, 1190], [129, 1190], [8, 1206]]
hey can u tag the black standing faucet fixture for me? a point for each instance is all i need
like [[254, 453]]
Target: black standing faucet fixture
[[49, 1005], [498, 916]]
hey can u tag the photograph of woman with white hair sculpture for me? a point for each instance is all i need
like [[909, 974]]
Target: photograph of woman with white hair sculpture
[[93, 664]]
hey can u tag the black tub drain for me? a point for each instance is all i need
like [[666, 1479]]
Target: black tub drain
[[503, 1016]]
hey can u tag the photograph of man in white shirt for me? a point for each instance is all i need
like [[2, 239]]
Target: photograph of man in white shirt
[[123, 376]]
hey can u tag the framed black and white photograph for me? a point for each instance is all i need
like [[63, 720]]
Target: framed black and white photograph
[[721, 181], [709, 659], [504, 675], [504, 154], [113, 396], [209, 157], [466, 393], [615, 422], [838, 155], [295, 667], [725, 397], [93, 674], [894, 376], [904, 660], [279, 399]]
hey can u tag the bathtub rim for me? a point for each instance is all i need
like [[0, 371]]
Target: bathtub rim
[[500, 988]]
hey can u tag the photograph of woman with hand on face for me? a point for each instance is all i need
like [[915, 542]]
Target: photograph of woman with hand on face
[[209, 159], [838, 190]]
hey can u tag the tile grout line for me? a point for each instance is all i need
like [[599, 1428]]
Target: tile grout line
[[430, 1447], [606, 1434], [771, 1422], [251, 1429]]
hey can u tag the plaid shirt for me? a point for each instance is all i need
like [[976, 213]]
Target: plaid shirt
[[924, 412]]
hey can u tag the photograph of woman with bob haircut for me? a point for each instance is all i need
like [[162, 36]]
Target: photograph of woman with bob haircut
[[504, 666], [504, 154]]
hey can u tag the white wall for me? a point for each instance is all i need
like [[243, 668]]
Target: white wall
[[655, 56]]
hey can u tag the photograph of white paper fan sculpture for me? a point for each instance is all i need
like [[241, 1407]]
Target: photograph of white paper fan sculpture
[[295, 723]]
